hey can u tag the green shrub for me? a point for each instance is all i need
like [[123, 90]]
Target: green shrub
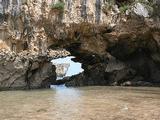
[[24, 2], [59, 5], [124, 8]]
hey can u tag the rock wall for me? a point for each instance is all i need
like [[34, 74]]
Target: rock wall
[[127, 55], [27, 70], [25, 23], [107, 39]]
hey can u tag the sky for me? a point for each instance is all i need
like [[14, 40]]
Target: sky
[[75, 67]]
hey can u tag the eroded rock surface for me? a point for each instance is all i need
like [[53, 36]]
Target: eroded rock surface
[[115, 47], [27, 70]]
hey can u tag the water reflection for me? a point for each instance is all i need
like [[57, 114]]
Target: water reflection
[[66, 101], [69, 93]]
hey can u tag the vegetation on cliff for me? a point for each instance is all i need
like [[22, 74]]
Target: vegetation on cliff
[[59, 5]]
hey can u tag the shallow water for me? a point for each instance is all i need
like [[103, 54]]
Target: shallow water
[[85, 103]]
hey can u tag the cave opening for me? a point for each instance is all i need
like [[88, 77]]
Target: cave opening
[[66, 68]]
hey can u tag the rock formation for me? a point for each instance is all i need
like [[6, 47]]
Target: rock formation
[[27, 70], [61, 69], [116, 42]]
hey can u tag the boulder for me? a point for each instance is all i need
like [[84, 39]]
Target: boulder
[[142, 9]]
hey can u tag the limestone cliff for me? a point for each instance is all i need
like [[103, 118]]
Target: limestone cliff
[[25, 23], [110, 39]]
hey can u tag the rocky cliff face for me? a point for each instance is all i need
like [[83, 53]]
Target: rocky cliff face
[[125, 55], [109, 40], [26, 70], [25, 23]]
